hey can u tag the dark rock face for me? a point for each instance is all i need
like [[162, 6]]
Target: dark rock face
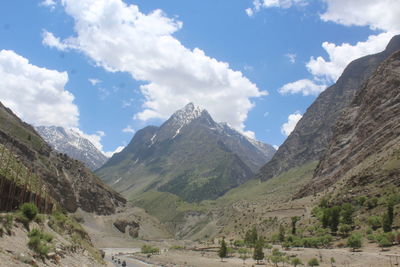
[[371, 122], [132, 227], [68, 180], [190, 155], [313, 132]]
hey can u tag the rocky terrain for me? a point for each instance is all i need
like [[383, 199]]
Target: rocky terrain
[[368, 131], [72, 143], [67, 180], [313, 132], [190, 155]]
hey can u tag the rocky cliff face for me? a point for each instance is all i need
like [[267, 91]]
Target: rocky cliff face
[[190, 155], [72, 143], [313, 132], [365, 146], [69, 181]]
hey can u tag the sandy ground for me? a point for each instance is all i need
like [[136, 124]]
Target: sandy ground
[[368, 257]]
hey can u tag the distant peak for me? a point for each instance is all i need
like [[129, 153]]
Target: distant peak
[[393, 45], [188, 112]]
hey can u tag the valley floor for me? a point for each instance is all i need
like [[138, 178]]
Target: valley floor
[[370, 256]]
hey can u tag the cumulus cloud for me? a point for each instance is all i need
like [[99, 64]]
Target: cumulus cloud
[[128, 129], [276, 147], [48, 39], [288, 126], [341, 55], [305, 86], [36, 94], [119, 37], [377, 15], [258, 4]]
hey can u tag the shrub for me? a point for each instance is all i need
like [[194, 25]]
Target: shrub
[[147, 249], [375, 222], [371, 203], [313, 262], [39, 242], [29, 211], [354, 241], [344, 229]]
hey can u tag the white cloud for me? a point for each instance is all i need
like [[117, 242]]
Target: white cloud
[[111, 153], [306, 87], [119, 37], [128, 129], [285, 4], [381, 15], [51, 41], [291, 57], [378, 15], [250, 134], [35, 94], [49, 3], [341, 55], [276, 147], [249, 12], [288, 127], [94, 81]]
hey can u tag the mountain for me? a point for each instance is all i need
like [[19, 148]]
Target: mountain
[[69, 182], [313, 132], [365, 147], [72, 143], [190, 155]]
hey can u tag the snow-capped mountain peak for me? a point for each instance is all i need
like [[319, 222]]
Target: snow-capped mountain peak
[[74, 144], [187, 114]]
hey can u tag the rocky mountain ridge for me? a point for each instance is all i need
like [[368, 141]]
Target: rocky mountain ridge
[[313, 132], [72, 143], [68, 180], [367, 131]]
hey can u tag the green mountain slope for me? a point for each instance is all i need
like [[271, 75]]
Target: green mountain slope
[[190, 156]]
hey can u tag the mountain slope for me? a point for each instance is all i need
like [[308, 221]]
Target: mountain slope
[[313, 132], [365, 148], [190, 155], [69, 181], [73, 144]]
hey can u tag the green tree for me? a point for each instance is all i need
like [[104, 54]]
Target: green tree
[[375, 222], [390, 212], [313, 262], [344, 229], [258, 252], [296, 261], [354, 241], [281, 233], [347, 213], [222, 250], [295, 219], [386, 224], [251, 237], [335, 218], [243, 254], [384, 242]]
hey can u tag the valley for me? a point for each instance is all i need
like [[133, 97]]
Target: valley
[[195, 191]]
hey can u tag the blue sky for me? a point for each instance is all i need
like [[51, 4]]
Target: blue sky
[[111, 67]]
